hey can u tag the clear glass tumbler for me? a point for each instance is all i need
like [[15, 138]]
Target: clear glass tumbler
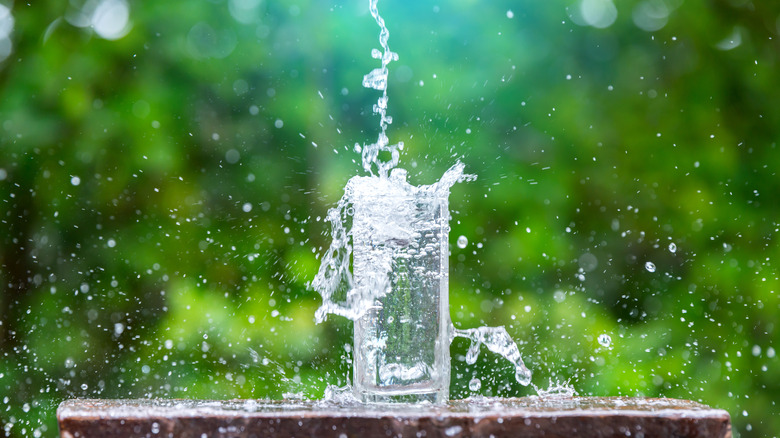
[[400, 254]]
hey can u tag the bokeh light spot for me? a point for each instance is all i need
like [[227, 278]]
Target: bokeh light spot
[[598, 13], [6, 26], [651, 15], [111, 19]]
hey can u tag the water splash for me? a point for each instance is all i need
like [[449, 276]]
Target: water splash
[[334, 280], [497, 340], [339, 396], [556, 390]]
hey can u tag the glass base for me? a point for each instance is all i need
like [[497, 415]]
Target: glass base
[[402, 396]]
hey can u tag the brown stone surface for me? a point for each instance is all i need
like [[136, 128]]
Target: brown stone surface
[[551, 417]]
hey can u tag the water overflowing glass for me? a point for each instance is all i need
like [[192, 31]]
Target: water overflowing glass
[[400, 256], [397, 290], [387, 269]]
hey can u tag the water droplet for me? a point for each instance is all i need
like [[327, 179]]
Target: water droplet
[[588, 262], [605, 340], [75, 180], [454, 430], [672, 247], [462, 242], [232, 156], [475, 384], [650, 266]]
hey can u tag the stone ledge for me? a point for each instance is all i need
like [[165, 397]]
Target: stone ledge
[[532, 417]]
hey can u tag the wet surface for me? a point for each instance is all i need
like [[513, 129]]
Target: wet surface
[[528, 416]]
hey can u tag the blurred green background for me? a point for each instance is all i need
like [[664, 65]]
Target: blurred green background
[[164, 168]]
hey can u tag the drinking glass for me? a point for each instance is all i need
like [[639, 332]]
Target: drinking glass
[[400, 256]]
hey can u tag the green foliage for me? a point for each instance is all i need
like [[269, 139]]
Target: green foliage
[[161, 196]]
